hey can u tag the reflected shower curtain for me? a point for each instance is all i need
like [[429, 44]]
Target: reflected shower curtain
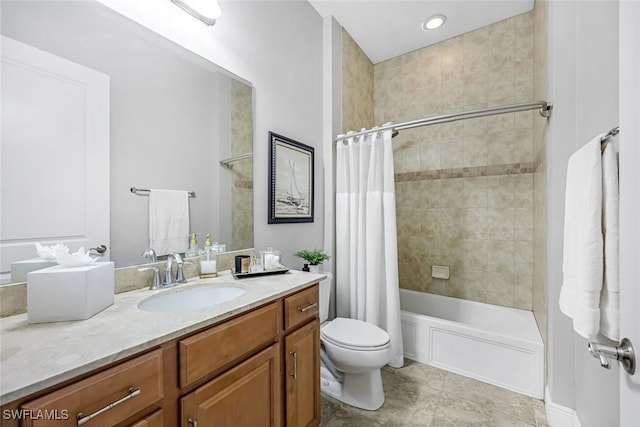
[[366, 236]]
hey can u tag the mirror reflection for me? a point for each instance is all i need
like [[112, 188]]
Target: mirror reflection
[[171, 118]]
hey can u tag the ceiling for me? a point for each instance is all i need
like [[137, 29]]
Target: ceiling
[[385, 29]]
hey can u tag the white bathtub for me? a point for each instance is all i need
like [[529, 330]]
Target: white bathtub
[[497, 345]]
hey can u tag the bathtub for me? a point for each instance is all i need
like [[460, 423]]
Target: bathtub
[[497, 345]]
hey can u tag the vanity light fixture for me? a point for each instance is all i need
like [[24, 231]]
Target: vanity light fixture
[[433, 22], [205, 10]]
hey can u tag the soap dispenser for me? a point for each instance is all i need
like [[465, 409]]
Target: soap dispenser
[[193, 250], [208, 260]]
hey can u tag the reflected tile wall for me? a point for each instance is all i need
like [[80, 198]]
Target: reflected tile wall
[[242, 171], [465, 189]]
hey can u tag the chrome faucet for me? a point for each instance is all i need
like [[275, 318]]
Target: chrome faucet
[[150, 254], [169, 279]]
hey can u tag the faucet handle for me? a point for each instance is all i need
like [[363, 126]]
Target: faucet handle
[[156, 283], [180, 273]]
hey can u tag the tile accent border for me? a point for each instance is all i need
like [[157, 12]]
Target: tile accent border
[[468, 172]]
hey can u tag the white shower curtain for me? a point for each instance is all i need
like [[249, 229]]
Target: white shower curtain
[[366, 238]]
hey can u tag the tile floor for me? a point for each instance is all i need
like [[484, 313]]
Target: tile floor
[[419, 395]]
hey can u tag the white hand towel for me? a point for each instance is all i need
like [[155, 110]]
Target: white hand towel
[[583, 246], [610, 299], [168, 221]]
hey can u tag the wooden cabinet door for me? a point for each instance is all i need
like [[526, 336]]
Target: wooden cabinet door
[[248, 395], [302, 352]]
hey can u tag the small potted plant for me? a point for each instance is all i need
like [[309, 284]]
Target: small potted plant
[[314, 257]]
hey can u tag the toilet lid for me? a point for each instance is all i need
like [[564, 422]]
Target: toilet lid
[[354, 333]]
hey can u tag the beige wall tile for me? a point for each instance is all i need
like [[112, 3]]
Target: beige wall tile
[[523, 229], [452, 223], [475, 223], [452, 153], [501, 191], [500, 256], [475, 255], [452, 192], [523, 258], [499, 289], [475, 192], [501, 148], [500, 223]]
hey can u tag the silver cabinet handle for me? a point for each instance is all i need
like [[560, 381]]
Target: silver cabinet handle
[[623, 353], [294, 355], [308, 307], [82, 419], [194, 423]]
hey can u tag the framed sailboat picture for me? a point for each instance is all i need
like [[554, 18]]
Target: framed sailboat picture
[[290, 180]]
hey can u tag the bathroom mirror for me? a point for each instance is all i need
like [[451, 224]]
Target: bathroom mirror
[[173, 117]]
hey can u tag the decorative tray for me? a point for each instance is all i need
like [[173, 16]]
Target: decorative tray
[[259, 273]]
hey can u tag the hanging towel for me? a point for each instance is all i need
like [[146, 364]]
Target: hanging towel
[[610, 301], [582, 263], [168, 221]]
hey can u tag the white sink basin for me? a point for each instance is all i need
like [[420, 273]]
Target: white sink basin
[[193, 298]]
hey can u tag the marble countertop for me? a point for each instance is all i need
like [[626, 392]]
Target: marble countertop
[[36, 356]]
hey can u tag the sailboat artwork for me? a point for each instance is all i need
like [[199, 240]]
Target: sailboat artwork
[[292, 198], [291, 165]]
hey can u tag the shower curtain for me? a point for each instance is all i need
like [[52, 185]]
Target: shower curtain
[[366, 236]]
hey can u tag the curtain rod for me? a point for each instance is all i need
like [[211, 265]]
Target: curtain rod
[[544, 107]]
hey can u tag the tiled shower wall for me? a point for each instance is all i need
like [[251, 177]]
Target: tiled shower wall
[[357, 86], [465, 189], [540, 86]]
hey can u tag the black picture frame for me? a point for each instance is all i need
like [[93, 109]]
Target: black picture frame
[[291, 180]]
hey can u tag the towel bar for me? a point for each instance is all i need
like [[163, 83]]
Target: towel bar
[[136, 190]]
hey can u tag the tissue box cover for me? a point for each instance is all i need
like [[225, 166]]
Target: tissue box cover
[[19, 269], [58, 293]]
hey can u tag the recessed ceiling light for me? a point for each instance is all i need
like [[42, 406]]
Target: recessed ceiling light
[[433, 22]]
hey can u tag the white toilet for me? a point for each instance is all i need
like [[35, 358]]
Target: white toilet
[[354, 352]]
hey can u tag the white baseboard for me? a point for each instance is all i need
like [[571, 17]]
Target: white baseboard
[[558, 415]]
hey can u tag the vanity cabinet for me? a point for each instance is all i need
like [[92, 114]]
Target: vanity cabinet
[[302, 358], [258, 368]]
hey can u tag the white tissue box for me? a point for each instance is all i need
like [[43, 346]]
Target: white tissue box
[[19, 269], [58, 293]]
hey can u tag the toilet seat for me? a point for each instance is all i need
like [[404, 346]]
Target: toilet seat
[[355, 334]]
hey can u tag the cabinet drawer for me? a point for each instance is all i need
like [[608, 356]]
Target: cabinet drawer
[[208, 351], [300, 307], [103, 399], [153, 420]]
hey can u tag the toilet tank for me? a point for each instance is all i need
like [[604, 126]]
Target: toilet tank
[[325, 297]]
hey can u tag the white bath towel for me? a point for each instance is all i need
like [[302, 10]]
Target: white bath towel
[[582, 263], [168, 221], [610, 299]]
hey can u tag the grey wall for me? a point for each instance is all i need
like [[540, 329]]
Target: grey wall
[[583, 74]]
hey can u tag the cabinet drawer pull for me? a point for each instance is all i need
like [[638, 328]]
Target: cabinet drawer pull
[[309, 307], [194, 423], [82, 419], [294, 355]]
